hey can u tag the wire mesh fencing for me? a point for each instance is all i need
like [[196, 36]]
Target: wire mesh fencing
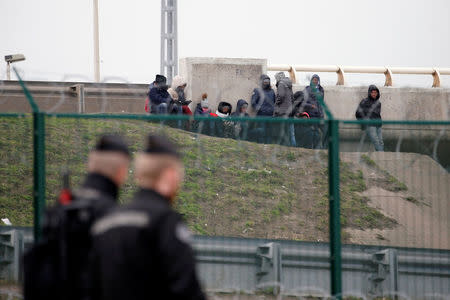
[[257, 195]]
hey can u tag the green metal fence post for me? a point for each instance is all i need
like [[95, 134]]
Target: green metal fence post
[[38, 160], [38, 171], [335, 222], [334, 200]]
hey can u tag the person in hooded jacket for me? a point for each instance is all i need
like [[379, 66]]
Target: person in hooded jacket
[[263, 98], [177, 93], [284, 96], [311, 104], [263, 102], [202, 110], [283, 108], [222, 127], [312, 93], [296, 112], [241, 128], [370, 109]]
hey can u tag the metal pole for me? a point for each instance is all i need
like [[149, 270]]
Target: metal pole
[[163, 40], [175, 36], [38, 172], [335, 222], [169, 34], [8, 71], [38, 160], [96, 44], [170, 42]]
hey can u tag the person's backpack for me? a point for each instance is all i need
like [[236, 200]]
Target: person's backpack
[[57, 267]]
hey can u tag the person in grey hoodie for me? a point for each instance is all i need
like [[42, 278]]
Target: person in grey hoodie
[[283, 109], [283, 100]]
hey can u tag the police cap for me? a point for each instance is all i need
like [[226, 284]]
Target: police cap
[[112, 142], [157, 144]]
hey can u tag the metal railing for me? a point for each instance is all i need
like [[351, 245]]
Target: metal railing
[[293, 268], [341, 70]]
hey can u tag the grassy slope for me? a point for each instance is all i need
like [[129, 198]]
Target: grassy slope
[[231, 188]]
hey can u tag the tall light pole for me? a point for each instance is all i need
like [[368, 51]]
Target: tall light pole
[[96, 44], [169, 37]]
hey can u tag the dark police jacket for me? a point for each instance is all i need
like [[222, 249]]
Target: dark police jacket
[[57, 266], [142, 252]]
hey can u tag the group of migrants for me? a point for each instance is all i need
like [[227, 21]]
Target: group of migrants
[[92, 248], [267, 103]]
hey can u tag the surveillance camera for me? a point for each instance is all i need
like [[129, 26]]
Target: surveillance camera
[[14, 58]]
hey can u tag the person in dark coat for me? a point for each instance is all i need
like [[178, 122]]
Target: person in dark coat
[[304, 134], [223, 128], [311, 104], [281, 132], [296, 112], [241, 127], [263, 98], [263, 102], [65, 239], [370, 109], [142, 250], [241, 109], [202, 110], [160, 100]]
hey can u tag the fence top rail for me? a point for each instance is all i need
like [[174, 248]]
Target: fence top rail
[[396, 122], [13, 115], [237, 119], [182, 117]]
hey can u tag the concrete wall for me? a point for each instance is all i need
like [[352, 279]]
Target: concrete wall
[[61, 97], [397, 103], [223, 79]]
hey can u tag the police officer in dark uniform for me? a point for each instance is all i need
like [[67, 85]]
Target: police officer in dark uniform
[[142, 249], [108, 166], [57, 267]]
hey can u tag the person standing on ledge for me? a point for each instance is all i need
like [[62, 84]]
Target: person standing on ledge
[[370, 109]]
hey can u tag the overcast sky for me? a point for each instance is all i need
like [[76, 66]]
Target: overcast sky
[[56, 35]]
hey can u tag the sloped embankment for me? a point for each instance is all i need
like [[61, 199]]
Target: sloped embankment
[[232, 188]]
